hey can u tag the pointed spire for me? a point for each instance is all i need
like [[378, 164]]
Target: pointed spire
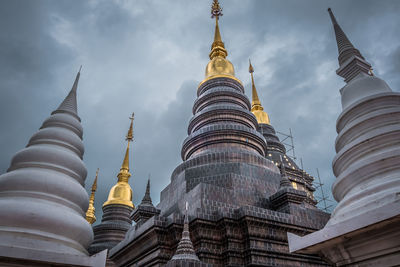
[[125, 162], [345, 47], [147, 199], [121, 193], [94, 186], [346, 52], [129, 138], [254, 96], [256, 107], [217, 47], [69, 104], [90, 213], [185, 249]]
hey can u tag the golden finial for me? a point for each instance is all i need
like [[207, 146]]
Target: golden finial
[[216, 10], [129, 136], [256, 107], [121, 193], [217, 47], [218, 66], [94, 186], [254, 96], [90, 213], [251, 69]]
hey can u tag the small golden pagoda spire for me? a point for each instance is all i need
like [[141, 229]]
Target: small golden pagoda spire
[[256, 107], [90, 213], [121, 193], [218, 66]]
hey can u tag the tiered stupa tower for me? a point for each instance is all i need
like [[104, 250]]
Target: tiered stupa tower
[[42, 196], [228, 181], [276, 151], [116, 220], [365, 226]]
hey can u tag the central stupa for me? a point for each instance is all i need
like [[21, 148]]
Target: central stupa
[[240, 212]]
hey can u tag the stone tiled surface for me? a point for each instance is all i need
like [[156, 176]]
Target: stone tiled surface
[[226, 236], [231, 183], [220, 83], [142, 213], [228, 183], [222, 119], [114, 224], [277, 151], [220, 94], [186, 263]]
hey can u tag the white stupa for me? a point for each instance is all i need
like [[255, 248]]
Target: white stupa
[[364, 229], [42, 196]]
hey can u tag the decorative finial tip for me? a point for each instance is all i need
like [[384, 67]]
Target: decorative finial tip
[[251, 69], [216, 10], [332, 16], [80, 68], [94, 185], [129, 136]]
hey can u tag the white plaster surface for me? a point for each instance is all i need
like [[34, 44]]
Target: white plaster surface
[[364, 227], [45, 258], [361, 86], [42, 198]]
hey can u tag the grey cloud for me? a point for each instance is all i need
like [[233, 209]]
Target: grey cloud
[[148, 57]]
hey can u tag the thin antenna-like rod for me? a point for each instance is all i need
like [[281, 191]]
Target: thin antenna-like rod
[[302, 174], [291, 139], [324, 198]]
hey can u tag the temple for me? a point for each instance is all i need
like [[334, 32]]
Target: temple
[[231, 176], [236, 199]]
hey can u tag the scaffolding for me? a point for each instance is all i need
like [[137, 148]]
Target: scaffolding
[[287, 141], [323, 200]]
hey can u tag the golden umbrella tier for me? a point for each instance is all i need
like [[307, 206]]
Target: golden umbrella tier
[[120, 194]]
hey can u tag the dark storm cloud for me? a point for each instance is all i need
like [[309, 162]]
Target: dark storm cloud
[[28, 56], [149, 56]]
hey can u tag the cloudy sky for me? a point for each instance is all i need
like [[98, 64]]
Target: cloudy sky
[[149, 57]]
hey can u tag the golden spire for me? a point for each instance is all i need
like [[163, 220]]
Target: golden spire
[[121, 193], [90, 217], [218, 66], [129, 138], [217, 47], [256, 107]]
